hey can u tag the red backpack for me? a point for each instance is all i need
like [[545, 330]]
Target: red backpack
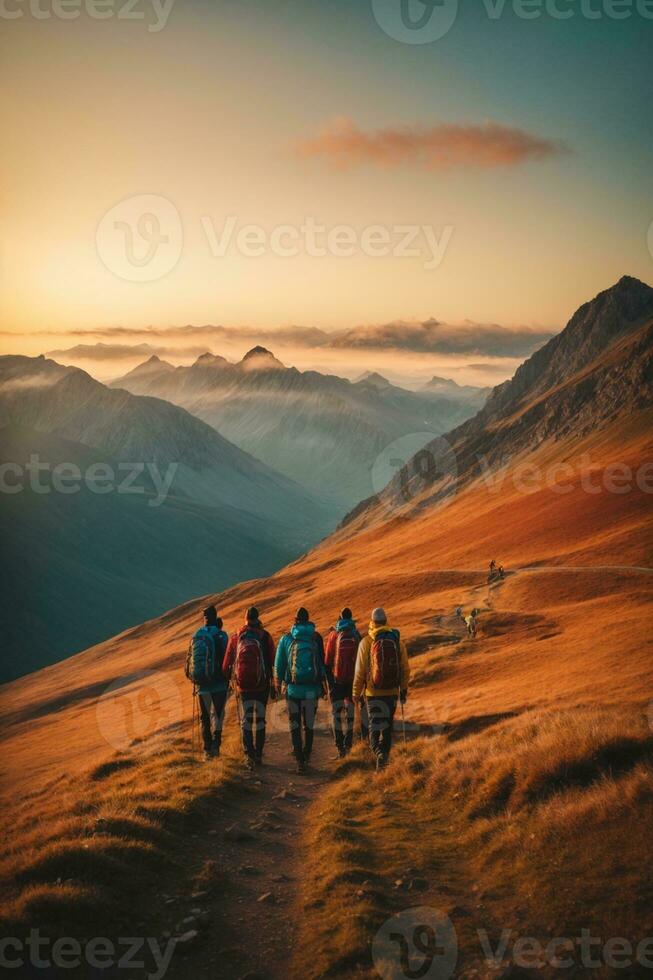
[[385, 662], [344, 663], [249, 666]]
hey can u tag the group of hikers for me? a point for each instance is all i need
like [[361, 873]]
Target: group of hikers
[[495, 571], [348, 669]]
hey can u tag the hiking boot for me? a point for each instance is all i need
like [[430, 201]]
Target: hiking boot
[[250, 762], [301, 766], [207, 755], [258, 759]]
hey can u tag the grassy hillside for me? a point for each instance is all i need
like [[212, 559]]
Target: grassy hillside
[[529, 785]]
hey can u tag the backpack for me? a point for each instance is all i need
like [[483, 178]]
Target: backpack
[[344, 662], [302, 662], [250, 672], [203, 662], [385, 661]]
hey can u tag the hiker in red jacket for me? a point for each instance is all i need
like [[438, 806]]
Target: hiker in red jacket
[[340, 663], [249, 664]]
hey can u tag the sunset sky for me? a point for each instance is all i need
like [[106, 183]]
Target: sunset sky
[[524, 146]]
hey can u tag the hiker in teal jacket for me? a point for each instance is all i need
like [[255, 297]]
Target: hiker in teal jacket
[[212, 696], [299, 671]]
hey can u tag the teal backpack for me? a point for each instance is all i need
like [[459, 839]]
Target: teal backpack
[[204, 659], [303, 665]]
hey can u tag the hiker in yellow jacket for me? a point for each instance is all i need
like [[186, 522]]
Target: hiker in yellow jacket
[[381, 676]]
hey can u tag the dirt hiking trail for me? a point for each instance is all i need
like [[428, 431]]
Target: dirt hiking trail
[[244, 870]]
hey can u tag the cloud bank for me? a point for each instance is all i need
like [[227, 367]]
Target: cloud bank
[[426, 337], [441, 147], [433, 337]]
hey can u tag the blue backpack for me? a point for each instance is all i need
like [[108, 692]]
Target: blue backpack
[[303, 665], [204, 660]]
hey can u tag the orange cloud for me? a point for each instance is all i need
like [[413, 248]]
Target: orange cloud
[[440, 147]]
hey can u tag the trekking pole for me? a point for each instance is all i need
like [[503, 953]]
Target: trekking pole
[[403, 719], [193, 723], [198, 729]]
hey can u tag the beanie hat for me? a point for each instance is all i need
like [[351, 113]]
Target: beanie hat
[[252, 614], [302, 615], [346, 613], [379, 616], [210, 612]]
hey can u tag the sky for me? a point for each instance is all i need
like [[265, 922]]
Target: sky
[[269, 165]]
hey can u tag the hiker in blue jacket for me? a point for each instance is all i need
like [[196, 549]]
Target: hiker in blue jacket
[[212, 694], [299, 671]]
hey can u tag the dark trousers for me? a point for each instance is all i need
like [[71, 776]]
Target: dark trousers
[[212, 716], [342, 713], [253, 707], [381, 715], [301, 720], [364, 720]]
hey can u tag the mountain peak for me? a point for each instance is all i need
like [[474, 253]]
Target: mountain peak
[[375, 379], [207, 359], [156, 362], [437, 380], [629, 282], [261, 359], [257, 351], [153, 365], [595, 326]]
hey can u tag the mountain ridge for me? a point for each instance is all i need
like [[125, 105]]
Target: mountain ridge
[[583, 367], [325, 430]]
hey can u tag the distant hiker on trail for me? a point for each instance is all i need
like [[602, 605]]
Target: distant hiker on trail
[[382, 675], [459, 613], [340, 664], [299, 670], [493, 567], [204, 669], [471, 622], [502, 573], [249, 665]]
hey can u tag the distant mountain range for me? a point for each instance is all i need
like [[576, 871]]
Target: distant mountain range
[[322, 430], [446, 388], [86, 564]]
